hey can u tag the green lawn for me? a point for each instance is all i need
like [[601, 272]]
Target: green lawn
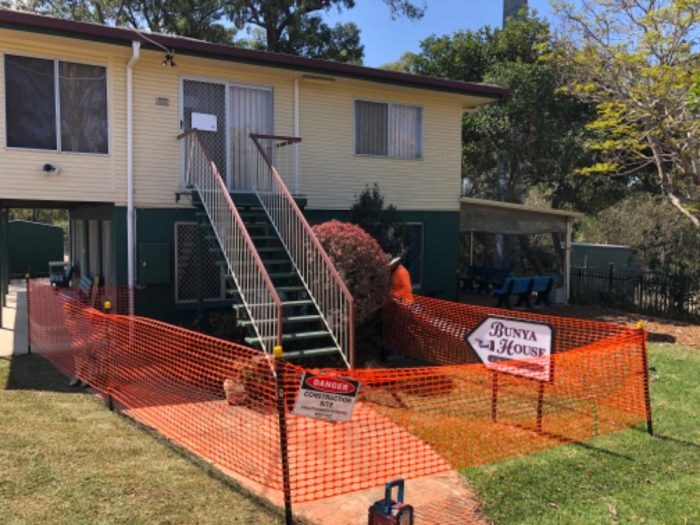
[[50, 472], [626, 477]]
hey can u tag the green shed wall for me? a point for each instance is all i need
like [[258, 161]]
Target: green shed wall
[[31, 246]]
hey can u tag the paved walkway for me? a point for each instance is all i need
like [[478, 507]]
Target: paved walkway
[[13, 333]]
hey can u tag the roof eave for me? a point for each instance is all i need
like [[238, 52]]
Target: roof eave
[[30, 21]]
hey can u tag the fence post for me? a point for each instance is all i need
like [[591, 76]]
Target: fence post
[[540, 406], [106, 307], [282, 412], [29, 313], [645, 363], [494, 397]]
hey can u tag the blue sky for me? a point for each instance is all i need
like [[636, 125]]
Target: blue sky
[[386, 40]]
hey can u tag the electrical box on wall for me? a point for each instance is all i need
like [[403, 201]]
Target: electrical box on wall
[[154, 263]]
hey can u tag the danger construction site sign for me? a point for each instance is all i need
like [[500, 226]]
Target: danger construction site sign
[[326, 397]]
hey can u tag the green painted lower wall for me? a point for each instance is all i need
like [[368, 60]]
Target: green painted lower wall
[[440, 246], [156, 226]]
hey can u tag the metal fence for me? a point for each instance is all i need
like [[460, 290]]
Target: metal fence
[[655, 293]]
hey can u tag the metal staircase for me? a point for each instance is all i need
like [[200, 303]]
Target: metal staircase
[[284, 286]]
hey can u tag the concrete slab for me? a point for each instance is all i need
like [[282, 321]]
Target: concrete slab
[[13, 332], [206, 426]]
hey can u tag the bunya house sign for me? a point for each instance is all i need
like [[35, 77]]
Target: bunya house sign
[[513, 346]]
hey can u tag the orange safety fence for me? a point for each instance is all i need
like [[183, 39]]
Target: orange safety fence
[[218, 399]]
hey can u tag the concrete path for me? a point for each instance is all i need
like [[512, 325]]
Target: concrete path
[[13, 333]]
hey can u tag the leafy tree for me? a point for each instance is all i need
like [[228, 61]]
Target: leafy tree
[[287, 26], [202, 19], [381, 221], [638, 63]]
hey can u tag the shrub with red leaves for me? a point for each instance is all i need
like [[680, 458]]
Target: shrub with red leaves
[[361, 263]]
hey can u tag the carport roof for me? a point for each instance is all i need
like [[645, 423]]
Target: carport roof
[[482, 215]]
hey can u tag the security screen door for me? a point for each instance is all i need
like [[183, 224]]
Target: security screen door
[[251, 112], [208, 98]]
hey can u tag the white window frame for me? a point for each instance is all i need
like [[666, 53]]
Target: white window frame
[[57, 99], [222, 296], [390, 106]]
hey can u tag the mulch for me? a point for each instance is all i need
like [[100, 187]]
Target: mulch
[[660, 330]]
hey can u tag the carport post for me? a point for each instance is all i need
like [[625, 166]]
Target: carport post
[[567, 260]]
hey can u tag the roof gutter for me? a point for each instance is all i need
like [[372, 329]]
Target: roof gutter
[[130, 212]]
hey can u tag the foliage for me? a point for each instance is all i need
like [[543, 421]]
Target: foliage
[[381, 221], [287, 26], [202, 19], [46, 216], [663, 239], [625, 477], [638, 63], [361, 263]]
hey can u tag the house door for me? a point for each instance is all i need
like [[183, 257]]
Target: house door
[[251, 111], [204, 107]]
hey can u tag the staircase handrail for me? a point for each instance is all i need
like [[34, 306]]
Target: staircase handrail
[[328, 291], [258, 294]]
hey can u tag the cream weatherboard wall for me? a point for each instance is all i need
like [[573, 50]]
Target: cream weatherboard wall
[[83, 176], [157, 151], [332, 175]]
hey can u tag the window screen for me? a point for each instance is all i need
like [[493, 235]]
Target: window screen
[[34, 85], [371, 136], [388, 130], [30, 102], [83, 96]]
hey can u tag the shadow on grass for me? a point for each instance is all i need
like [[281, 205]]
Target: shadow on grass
[[32, 372], [592, 448], [670, 439]]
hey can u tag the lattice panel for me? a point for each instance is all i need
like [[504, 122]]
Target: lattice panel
[[187, 262]]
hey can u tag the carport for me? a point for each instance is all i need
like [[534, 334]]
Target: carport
[[497, 217]]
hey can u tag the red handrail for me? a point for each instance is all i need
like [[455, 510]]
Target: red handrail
[[286, 140], [241, 228]]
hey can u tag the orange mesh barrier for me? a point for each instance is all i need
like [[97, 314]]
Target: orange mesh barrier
[[218, 398]]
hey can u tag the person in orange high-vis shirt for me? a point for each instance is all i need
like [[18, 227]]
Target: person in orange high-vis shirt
[[401, 287]]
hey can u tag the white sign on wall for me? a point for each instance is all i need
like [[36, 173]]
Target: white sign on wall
[[326, 397], [500, 340], [204, 122]]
